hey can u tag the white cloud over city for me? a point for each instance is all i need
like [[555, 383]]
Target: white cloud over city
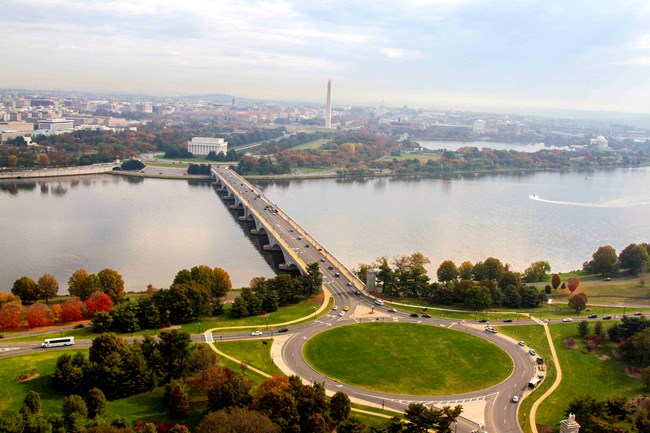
[[580, 54]]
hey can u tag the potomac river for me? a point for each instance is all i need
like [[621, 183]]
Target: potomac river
[[148, 229]]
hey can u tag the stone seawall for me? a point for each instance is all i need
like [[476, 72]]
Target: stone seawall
[[56, 172]]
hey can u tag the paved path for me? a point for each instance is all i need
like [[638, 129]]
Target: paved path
[[558, 379]]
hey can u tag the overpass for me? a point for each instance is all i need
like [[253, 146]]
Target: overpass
[[284, 235]]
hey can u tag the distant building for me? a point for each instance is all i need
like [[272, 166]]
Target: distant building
[[56, 124], [205, 145], [328, 107], [600, 142]]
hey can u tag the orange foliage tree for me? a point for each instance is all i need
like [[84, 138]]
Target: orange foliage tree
[[39, 314], [72, 309], [10, 314], [572, 283], [98, 301]]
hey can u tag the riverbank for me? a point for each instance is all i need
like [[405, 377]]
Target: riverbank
[[59, 171]]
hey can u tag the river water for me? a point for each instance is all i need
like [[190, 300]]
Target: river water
[[148, 229]]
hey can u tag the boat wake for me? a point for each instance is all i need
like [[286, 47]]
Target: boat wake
[[622, 202]]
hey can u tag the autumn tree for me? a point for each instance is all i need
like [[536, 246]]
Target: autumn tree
[[79, 286], [72, 310], [10, 314], [112, 284], [238, 420], [98, 301], [39, 315], [48, 287], [8, 297], [572, 283], [447, 271], [578, 302], [178, 401], [26, 289], [230, 390], [556, 281]]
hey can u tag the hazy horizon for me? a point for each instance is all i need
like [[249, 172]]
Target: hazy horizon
[[459, 54]]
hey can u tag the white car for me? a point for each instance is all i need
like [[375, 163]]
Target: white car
[[379, 302], [567, 319], [515, 398], [342, 313], [256, 333], [521, 343], [532, 352], [336, 307]]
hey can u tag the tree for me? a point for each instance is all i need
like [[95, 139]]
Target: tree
[[598, 329], [8, 297], [178, 401], [231, 390], [70, 374], [634, 258], [477, 298], [537, 271], [604, 261], [77, 284], [222, 283], [132, 164], [578, 302], [48, 287], [72, 310], [572, 283], [112, 284], [339, 407], [10, 314], [447, 271], [125, 317], [39, 315], [465, 270], [95, 402], [628, 326], [583, 328], [26, 289], [73, 404], [313, 280], [102, 322], [239, 308], [175, 348], [98, 301], [31, 403], [556, 281], [493, 269], [237, 420]]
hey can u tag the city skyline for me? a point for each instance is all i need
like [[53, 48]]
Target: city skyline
[[464, 54]]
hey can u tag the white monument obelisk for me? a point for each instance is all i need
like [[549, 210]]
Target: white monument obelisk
[[328, 109]]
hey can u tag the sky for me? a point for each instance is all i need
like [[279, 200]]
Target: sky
[[476, 54]]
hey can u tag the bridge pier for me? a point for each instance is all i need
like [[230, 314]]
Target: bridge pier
[[271, 248]]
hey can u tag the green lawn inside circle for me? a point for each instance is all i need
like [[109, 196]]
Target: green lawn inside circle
[[407, 358]]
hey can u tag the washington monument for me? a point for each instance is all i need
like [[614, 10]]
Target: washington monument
[[328, 108]]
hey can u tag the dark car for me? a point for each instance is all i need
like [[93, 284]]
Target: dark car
[[483, 321], [283, 330], [415, 315], [507, 320], [426, 316], [607, 317], [592, 316], [79, 326]]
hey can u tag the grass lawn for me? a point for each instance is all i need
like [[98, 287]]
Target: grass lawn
[[252, 353], [615, 291], [185, 160], [585, 374], [407, 358], [314, 144], [422, 157]]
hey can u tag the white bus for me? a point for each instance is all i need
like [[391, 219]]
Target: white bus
[[58, 342]]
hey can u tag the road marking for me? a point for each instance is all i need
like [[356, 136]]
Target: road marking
[[209, 338], [7, 349]]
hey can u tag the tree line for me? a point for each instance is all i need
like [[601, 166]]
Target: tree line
[[477, 286], [634, 258]]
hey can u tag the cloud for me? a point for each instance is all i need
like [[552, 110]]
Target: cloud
[[400, 53]]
